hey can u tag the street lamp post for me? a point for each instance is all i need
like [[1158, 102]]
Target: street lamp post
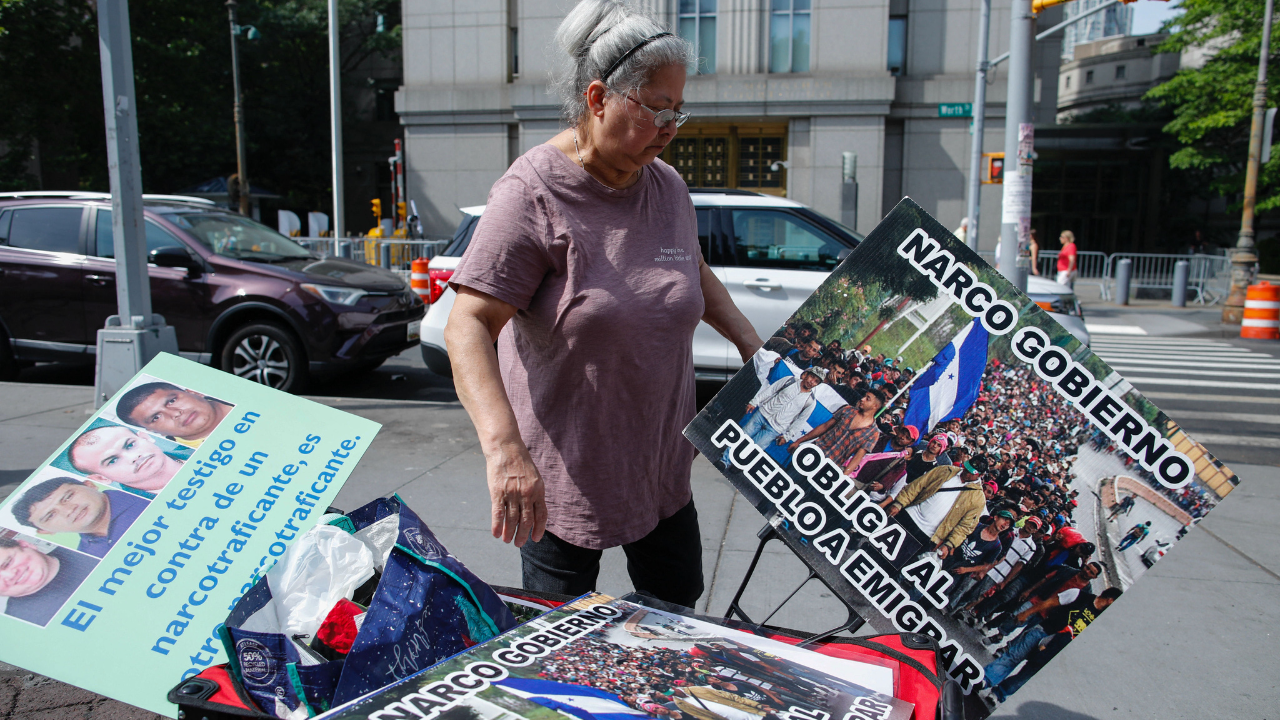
[[335, 124], [134, 335], [242, 173], [1244, 260], [979, 126]]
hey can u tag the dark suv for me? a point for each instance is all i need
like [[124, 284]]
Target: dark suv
[[241, 296]]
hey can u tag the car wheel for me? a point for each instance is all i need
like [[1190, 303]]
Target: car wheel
[[437, 361], [266, 354]]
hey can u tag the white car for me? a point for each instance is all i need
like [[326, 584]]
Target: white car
[[771, 253]]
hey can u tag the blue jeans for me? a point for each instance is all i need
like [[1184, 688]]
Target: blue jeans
[[1002, 667], [1010, 623], [960, 587], [758, 429], [962, 600], [1127, 543], [988, 607]]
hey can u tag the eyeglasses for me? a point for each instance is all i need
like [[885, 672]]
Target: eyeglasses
[[662, 117]]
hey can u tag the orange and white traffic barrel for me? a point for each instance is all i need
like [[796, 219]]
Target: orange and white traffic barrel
[[1261, 312], [420, 280]]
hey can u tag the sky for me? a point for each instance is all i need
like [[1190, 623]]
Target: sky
[[1148, 15]]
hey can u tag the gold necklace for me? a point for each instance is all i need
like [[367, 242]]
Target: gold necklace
[[574, 130], [575, 149]]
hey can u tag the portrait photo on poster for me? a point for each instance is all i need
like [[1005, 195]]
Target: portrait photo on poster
[[123, 457], [38, 577], [182, 415], [71, 510], [952, 461]]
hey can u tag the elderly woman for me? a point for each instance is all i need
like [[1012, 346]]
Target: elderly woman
[[586, 271]]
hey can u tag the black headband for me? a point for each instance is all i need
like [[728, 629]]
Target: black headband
[[605, 77]]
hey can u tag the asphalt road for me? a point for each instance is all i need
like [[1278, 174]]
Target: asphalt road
[[403, 377]]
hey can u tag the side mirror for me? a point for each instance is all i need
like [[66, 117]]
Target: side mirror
[[173, 256]]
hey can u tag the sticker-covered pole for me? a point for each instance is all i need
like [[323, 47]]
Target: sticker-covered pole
[[1015, 220]]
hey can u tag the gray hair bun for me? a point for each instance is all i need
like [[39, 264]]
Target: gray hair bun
[[594, 35]]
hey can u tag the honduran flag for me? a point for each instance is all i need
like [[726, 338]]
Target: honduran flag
[[948, 388], [580, 701]]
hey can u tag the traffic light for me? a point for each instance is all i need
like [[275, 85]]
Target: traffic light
[[377, 211], [993, 168]]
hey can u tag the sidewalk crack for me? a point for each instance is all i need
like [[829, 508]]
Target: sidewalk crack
[[426, 472], [1241, 553], [42, 412], [724, 539]]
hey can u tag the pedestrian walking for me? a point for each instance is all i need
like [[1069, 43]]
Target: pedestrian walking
[[1067, 259], [1134, 536]]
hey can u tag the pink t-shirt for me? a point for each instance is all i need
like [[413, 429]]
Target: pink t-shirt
[[598, 360], [1065, 256]]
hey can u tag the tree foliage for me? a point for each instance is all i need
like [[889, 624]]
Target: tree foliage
[[1212, 105], [51, 90]]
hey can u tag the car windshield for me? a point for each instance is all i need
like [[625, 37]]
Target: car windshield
[[238, 237]]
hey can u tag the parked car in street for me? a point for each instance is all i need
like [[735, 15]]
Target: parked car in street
[[241, 296], [771, 253]]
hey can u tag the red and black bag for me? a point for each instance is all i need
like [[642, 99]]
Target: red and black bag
[[215, 695], [935, 696]]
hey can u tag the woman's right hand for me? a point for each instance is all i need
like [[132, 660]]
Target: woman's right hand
[[517, 495]]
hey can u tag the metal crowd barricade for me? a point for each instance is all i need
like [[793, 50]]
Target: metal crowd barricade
[[351, 248], [1091, 267], [1210, 275], [397, 255]]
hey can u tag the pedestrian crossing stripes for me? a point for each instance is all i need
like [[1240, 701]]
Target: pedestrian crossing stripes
[[1205, 385]]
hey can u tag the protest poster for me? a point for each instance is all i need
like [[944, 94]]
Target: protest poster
[[951, 461], [600, 658], [123, 551]]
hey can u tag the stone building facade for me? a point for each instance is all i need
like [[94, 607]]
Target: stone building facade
[[793, 82]]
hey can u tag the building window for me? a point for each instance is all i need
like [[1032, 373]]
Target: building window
[[384, 94], [1088, 77], [756, 162], [702, 161], [698, 26], [898, 45], [789, 36], [731, 156], [513, 39], [1067, 83], [1119, 72]]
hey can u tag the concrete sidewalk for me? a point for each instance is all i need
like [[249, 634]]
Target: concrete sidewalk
[[1195, 638]]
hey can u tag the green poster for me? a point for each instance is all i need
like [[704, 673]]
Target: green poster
[[124, 551]]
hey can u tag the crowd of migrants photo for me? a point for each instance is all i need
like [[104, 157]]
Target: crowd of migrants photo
[[1038, 518], [660, 666], [1004, 491]]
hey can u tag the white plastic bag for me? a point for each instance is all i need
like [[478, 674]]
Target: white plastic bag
[[325, 565]]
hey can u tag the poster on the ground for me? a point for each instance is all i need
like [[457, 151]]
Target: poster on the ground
[[600, 658], [951, 460], [125, 549]]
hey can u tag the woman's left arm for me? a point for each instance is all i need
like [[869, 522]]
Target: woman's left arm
[[724, 316]]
